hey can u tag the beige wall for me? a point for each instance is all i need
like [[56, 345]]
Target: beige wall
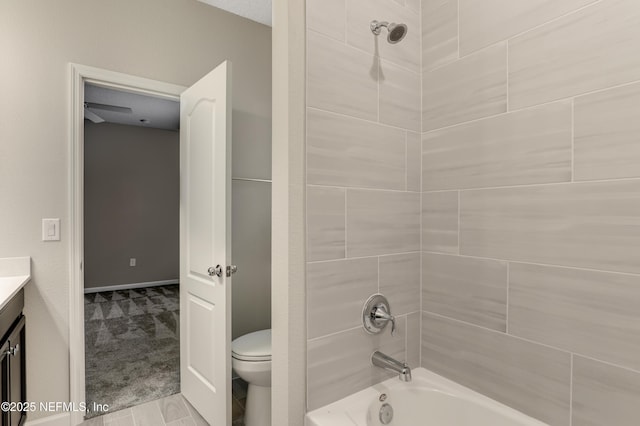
[[363, 191], [530, 218], [176, 41], [131, 204]]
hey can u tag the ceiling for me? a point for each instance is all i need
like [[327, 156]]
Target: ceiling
[[256, 10], [159, 113]]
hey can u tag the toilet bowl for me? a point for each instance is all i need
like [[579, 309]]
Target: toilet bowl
[[251, 359]]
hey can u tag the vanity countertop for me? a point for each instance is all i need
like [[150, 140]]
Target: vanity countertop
[[15, 272]]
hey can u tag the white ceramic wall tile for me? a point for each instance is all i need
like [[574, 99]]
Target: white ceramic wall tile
[[340, 78], [325, 223], [414, 162], [382, 222], [413, 5], [413, 339], [327, 17], [592, 49], [360, 13], [465, 288], [470, 88], [336, 291], [528, 377], [399, 97], [524, 147], [607, 125], [440, 221], [591, 225], [588, 312], [485, 22], [345, 151], [340, 364], [439, 33], [604, 394], [400, 282]]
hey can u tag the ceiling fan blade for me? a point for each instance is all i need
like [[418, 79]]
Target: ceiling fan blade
[[114, 108], [95, 118]]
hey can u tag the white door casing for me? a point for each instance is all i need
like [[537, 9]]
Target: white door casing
[[205, 242]]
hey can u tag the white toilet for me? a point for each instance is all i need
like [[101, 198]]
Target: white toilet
[[251, 359]]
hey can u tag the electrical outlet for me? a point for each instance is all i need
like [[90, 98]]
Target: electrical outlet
[[132, 261]]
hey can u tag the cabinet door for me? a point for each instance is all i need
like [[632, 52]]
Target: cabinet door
[[17, 382], [4, 381]]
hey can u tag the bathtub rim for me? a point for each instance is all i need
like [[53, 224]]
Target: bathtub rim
[[338, 413]]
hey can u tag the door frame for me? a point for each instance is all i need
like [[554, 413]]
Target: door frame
[[81, 74]]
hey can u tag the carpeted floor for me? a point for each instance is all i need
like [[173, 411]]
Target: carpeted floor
[[132, 346]]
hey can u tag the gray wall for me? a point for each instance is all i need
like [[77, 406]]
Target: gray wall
[[176, 41], [531, 279], [363, 192], [131, 204]]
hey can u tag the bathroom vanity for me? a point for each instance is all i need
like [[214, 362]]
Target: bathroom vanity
[[14, 275]]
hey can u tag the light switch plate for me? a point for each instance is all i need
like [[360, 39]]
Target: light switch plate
[[51, 229]]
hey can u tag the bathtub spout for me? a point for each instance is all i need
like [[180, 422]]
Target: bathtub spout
[[385, 361]]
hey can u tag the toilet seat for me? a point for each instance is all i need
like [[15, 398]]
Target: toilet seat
[[253, 347]]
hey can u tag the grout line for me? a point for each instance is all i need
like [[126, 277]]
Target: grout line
[[346, 20], [493, 330], [507, 76], [506, 314], [532, 185], [608, 363], [571, 392], [390, 126], [406, 161], [552, 20], [573, 138], [342, 259], [378, 274], [524, 262], [458, 23], [524, 339], [500, 114], [406, 339], [378, 69], [360, 188], [345, 223], [335, 333], [458, 230]]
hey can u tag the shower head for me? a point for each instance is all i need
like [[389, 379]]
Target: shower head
[[396, 32]]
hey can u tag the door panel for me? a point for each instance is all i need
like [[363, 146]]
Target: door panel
[[205, 241]]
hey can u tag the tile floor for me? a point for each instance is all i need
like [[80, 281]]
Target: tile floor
[[173, 410]]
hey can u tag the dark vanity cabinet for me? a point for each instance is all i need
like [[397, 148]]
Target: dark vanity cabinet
[[13, 377]]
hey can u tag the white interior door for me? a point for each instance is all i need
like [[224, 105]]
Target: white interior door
[[205, 243]]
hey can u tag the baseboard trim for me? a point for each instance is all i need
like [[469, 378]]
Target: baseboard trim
[[62, 419], [130, 286]]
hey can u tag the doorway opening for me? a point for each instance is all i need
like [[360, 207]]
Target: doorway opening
[[131, 248]]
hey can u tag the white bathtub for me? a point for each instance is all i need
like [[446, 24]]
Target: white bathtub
[[428, 400]]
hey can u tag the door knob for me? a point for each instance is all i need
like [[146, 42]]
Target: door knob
[[217, 271], [231, 269]]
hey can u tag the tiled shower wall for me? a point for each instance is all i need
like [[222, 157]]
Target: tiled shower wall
[[531, 204], [363, 192]]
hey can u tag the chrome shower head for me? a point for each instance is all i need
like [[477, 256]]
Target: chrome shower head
[[396, 32]]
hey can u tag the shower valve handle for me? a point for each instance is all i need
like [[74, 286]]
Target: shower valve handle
[[379, 313]]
